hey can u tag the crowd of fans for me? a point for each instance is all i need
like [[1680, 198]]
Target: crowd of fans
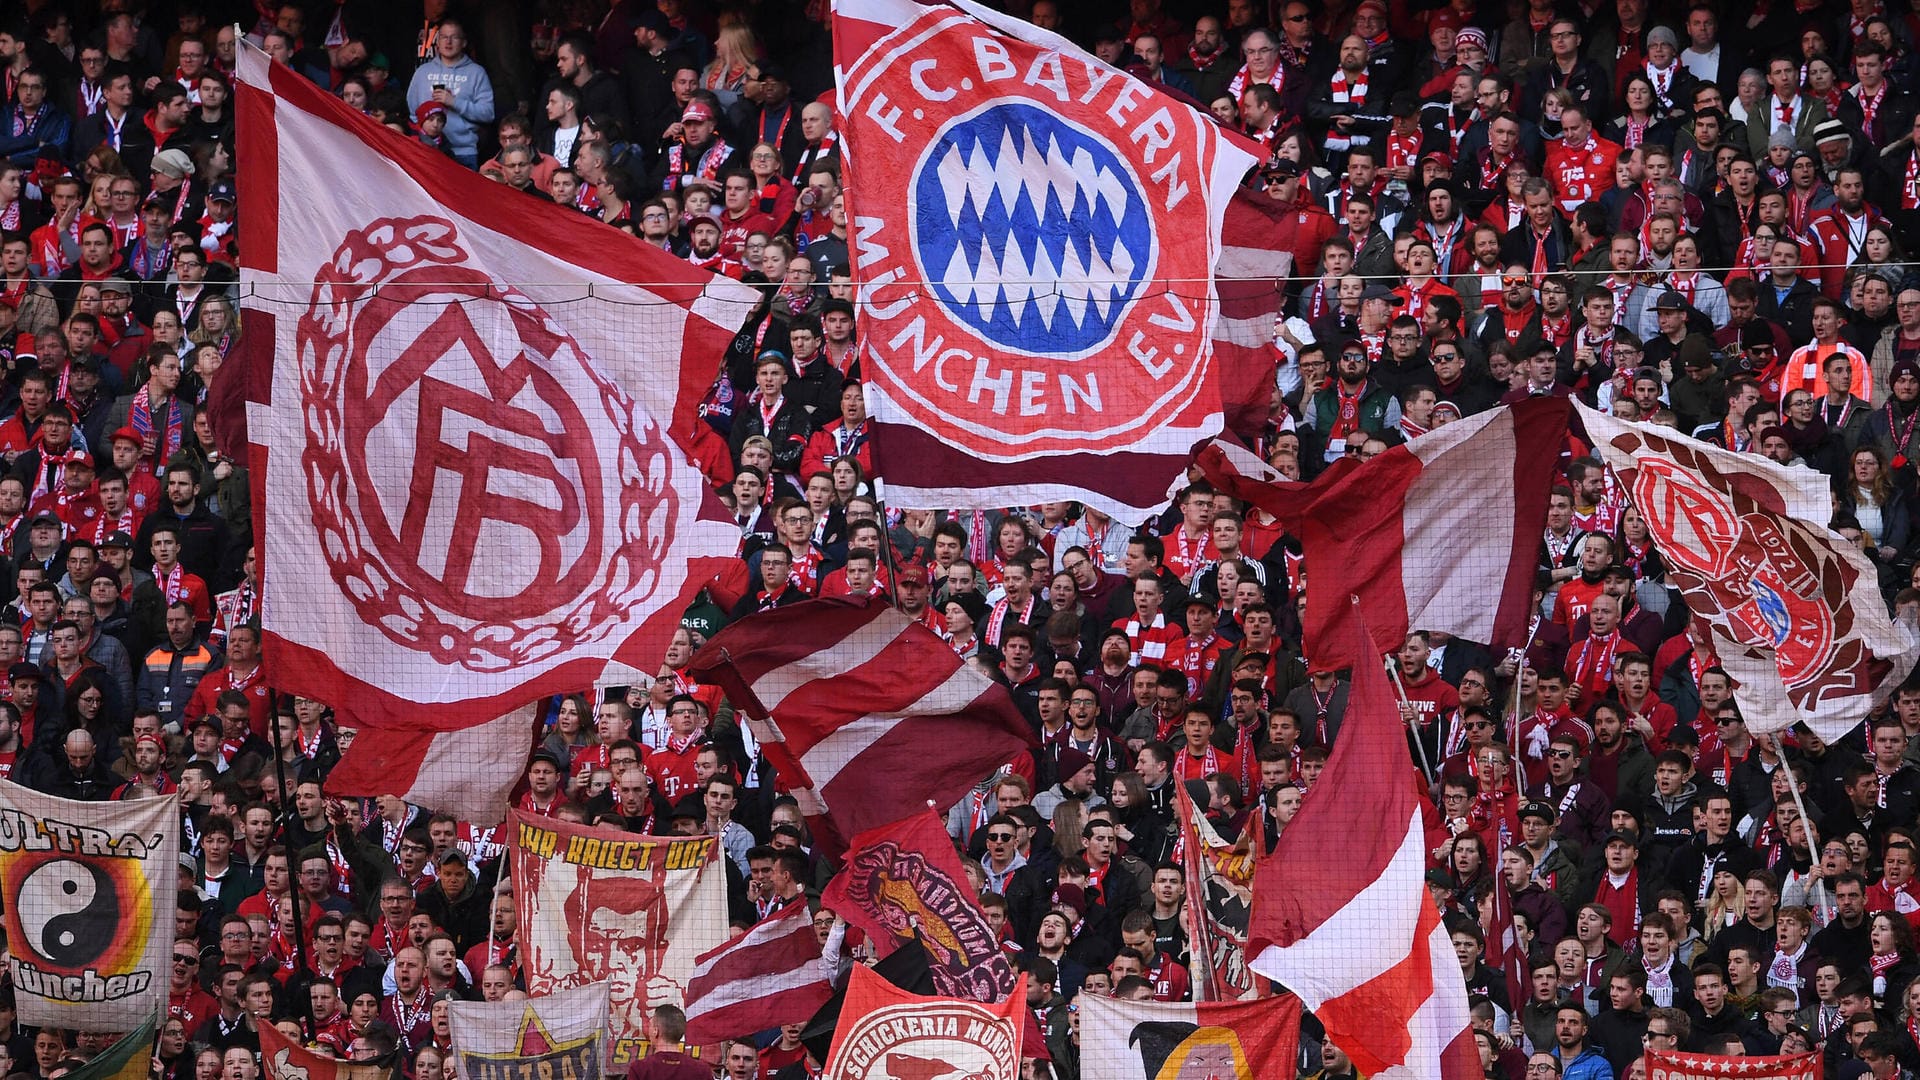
[[1692, 216]]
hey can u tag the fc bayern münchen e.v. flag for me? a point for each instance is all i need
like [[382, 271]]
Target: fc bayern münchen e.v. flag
[[1035, 236]]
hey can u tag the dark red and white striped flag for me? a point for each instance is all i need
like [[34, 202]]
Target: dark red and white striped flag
[[770, 976], [1340, 911], [1439, 534], [1248, 278], [865, 714]]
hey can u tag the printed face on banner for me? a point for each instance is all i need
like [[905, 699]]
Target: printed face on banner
[[87, 924], [1041, 197], [485, 493], [634, 911]]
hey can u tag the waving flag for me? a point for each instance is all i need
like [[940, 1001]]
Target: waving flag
[[1219, 876], [1795, 611], [468, 436], [1341, 915], [1439, 534], [771, 975], [1035, 236], [863, 711], [903, 885]]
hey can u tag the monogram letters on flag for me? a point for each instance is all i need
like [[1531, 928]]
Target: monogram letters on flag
[[905, 882], [89, 890], [561, 1036], [600, 904], [1796, 613], [885, 1033], [1668, 1065], [1035, 237], [468, 436], [1163, 1040]]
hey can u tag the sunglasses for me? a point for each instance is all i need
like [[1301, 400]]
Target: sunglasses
[[1561, 754], [999, 838], [1512, 281], [1479, 727]]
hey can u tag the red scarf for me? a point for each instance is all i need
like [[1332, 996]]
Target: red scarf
[[1596, 662]]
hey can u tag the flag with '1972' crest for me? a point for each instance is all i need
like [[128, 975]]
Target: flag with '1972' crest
[[1036, 235]]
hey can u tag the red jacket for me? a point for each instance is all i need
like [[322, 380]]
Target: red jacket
[[1837, 250]]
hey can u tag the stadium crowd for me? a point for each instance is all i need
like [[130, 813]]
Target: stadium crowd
[[1693, 216]]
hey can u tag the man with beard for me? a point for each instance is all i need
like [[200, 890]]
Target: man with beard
[[1840, 231], [1207, 64], [1350, 110]]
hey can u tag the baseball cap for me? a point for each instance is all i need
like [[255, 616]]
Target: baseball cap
[[1670, 301], [1404, 103], [697, 110], [1377, 291], [118, 539], [23, 671], [45, 517], [80, 457], [127, 434], [1283, 167], [222, 192], [547, 756], [1624, 837], [114, 284], [912, 574], [1538, 809], [652, 20]]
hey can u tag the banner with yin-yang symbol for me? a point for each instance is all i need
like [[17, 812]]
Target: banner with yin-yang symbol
[[87, 890]]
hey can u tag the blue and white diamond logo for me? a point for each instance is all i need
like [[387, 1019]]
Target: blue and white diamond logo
[[1031, 231]]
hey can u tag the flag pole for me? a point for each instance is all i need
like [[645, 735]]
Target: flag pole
[[1813, 838], [293, 888], [1414, 723]]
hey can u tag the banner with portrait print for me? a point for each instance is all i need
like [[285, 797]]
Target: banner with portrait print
[[89, 889], [601, 904]]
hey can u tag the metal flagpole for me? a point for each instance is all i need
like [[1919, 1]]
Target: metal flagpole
[[1413, 720]]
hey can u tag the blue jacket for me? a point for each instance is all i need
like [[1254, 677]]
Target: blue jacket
[[1590, 1065], [51, 130]]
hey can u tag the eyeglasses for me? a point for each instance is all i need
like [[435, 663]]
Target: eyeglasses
[[1297, 18]]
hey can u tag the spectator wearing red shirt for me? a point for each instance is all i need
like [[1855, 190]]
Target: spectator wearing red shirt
[[673, 765], [1169, 978]]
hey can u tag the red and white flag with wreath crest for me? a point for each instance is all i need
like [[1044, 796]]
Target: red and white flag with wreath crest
[[470, 424]]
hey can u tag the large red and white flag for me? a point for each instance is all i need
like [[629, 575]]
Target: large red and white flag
[[1439, 534], [863, 712], [1035, 235], [469, 435], [769, 976], [1795, 611], [1249, 278], [1341, 914]]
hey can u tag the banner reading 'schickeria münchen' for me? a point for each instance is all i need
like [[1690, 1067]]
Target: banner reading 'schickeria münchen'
[[89, 890]]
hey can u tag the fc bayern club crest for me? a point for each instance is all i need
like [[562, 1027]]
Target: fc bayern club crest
[[1025, 230], [483, 492]]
